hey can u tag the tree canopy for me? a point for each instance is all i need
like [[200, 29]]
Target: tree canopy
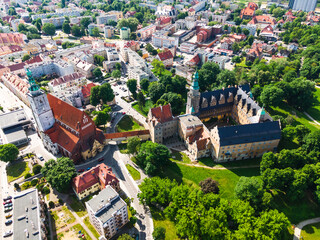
[[8, 152]]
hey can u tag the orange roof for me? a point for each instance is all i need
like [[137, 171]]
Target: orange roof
[[125, 134], [162, 113], [86, 90], [99, 174], [165, 55], [63, 137]]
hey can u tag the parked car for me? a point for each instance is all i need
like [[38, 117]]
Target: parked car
[[8, 205], [7, 234], [100, 159], [8, 215], [123, 113], [40, 157], [88, 168], [6, 202], [8, 209], [81, 170], [8, 222], [7, 198]]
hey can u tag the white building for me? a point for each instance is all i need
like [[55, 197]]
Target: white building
[[146, 32], [58, 66], [108, 31], [107, 212], [187, 47], [303, 5], [105, 19], [112, 58], [66, 82], [57, 22], [160, 40]]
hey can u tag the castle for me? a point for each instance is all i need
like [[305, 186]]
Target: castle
[[62, 127], [254, 133]]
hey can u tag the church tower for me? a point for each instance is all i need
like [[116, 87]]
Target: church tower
[[193, 101], [39, 105]]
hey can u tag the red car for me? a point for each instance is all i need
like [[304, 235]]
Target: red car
[[123, 113], [81, 170], [6, 202], [100, 159]]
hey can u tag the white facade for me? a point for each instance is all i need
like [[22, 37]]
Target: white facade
[[59, 67], [187, 47], [304, 5], [146, 32], [159, 40], [57, 22], [108, 31], [105, 19]]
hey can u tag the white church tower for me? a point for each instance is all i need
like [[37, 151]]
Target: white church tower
[[193, 100], [39, 105]]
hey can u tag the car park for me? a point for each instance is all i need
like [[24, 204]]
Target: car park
[[7, 234], [8, 222]]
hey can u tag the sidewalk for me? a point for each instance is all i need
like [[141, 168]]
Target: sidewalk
[[299, 227]]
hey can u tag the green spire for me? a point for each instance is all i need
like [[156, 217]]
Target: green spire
[[195, 83], [263, 112], [33, 85]]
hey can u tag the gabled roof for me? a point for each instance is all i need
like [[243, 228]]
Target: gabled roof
[[67, 78], [86, 89], [165, 55], [162, 113]]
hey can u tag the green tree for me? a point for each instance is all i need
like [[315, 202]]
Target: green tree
[[106, 93], [153, 157], [132, 86], [22, 27], [98, 59], [76, 31], [131, 23], [208, 76], [59, 173], [116, 74], [85, 22], [155, 91], [144, 84], [236, 59], [226, 78], [300, 132], [8, 152], [49, 29], [97, 72], [118, 66], [246, 32], [133, 145], [209, 186], [235, 47], [95, 96], [176, 101], [66, 28], [101, 118], [95, 32], [271, 96], [36, 169], [159, 233], [125, 237], [158, 66], [133, 36], [63, 3], [312, 141], [25, 57], [141, 100]]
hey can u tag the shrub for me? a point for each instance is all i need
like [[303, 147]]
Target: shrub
[[25, 185], [36, 169], [133, 220], [60, 201], [16, 185], [34, 181], [40, 186], [51, 204], [27, 175], [46, 190]]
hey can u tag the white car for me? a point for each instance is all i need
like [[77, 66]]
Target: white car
[[7, 234], [39, 156]]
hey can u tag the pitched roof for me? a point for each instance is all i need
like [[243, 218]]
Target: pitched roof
[[125, 134], [67, 78], [98, 174], [86, 89], [162, 113], [165, 55], [256, 132], [267, 29]]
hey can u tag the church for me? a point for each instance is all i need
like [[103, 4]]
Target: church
[[63, 128], [252, 134]]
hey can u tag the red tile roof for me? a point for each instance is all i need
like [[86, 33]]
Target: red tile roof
[[165, 55], [126, 134], [263, 19], [163, 20], [101, 174], [162, 113], [267, 29], [66, 78], [86, 89]]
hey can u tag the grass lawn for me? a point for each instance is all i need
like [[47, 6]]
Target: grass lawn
[[17, 170], [241, 163], [127, 123], [123, 148], [180, 157], [159, 220], [242, 64], [77, 206], [144, 111], [63, 217], [193, 175], [314, 111], [78, 228], [91, 228], [134, 172], [299, 117], [311, 232]]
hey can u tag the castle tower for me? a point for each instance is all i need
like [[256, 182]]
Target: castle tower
[[39, 105], [193, 101]]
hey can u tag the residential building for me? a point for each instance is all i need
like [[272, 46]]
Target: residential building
[[166, 58], [107, 212], [57, 21], [136, 73], [268, 34], [86, 92], [262, 21], [13, 125], [186, 72], [166, 10], [111, 59], [197, 7], [82, 67], [77, 20], [7, 39], [109, 31], [162, 22], [146, 32], [29, 216], [125, 33], [303, 5], [93, 180], [66, 12], [248, 12], [159, 39], [105, 19], [67, 82], [56, 66], [187, 47]]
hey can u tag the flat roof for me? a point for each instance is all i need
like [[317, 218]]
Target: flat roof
[[26, 204], [106, 203], [190, 120], [16, 135], [13, 118]]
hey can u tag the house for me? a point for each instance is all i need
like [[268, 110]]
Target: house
[[107, 212], [93, 180], [268, 34], [262, 21], [248, 12], [66, 82], [86, 92], [162, 22], [166, 57]]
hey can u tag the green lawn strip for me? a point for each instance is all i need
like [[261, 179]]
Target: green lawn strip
[[311, 232], [159, 220], [314, 111], [123, 148], [227, 179], [180, 157], [17, 170], [127, 123], [78, 228], [67, 212], [134, 172], [91, 228], [240, 163], [145, 109], [299, 117], [77, 206]]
